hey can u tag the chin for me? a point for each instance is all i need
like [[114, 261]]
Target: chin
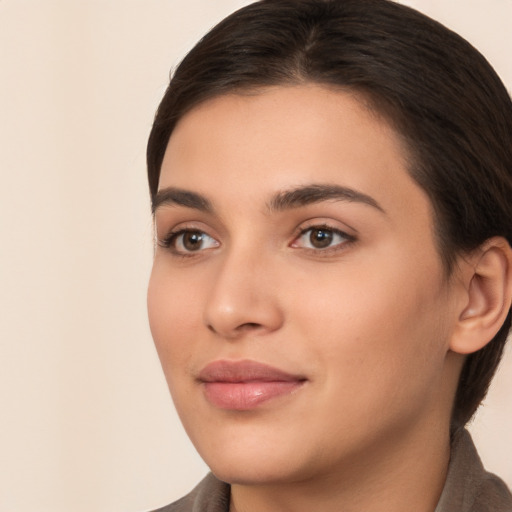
[[259, 472], [253, 459]]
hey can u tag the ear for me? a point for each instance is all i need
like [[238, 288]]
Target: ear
[[487, 301]]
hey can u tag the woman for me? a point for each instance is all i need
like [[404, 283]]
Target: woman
[[332, 284]]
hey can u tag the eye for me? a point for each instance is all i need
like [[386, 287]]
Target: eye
[[187, 241], [321, 237]]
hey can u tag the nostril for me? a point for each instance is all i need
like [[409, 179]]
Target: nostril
[[248, 326]]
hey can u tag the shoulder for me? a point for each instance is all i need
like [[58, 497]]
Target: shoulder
[[492, 496], [469, 488], [210, 495]]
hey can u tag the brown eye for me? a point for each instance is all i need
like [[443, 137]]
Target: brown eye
[[320, 238], [187, 241], [192, 240]]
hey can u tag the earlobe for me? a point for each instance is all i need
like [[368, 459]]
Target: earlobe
[[488, 299]]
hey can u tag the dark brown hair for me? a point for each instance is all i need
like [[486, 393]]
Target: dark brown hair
[[438, 92]]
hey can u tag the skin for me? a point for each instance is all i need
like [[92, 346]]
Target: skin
[[367, 321]]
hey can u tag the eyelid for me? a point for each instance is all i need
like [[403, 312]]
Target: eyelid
[[168, 241], [347, 237], [169, 223]]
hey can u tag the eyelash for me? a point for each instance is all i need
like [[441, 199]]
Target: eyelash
[[170, 241], [347, 239]]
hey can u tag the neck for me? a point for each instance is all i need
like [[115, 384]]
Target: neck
[[403, 474]]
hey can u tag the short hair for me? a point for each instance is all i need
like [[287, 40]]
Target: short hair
[[438, 92]]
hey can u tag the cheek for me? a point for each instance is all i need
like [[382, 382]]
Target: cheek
[[380, 328], [173, 318]]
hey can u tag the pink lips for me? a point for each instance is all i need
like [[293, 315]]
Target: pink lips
[[243, 385]]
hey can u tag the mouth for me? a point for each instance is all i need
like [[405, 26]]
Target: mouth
[[244, 385]]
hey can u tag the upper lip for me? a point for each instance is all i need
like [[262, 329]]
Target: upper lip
[[244, 371]]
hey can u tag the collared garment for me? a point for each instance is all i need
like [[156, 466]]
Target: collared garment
[[468, 487]]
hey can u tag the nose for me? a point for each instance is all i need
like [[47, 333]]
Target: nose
[[243, 299]]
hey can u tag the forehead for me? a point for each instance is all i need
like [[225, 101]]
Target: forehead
[[282, 137]]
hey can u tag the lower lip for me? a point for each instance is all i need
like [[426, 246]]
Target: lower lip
[[243, 396]]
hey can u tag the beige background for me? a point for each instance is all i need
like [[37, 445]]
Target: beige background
[[86, 423]]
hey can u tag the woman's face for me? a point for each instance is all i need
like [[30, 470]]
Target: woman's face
[[297, 300]]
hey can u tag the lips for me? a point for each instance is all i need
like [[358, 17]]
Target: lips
[[244, 385]]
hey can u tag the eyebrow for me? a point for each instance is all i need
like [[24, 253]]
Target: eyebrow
[[177, 197], [316, 193], [285, 200]]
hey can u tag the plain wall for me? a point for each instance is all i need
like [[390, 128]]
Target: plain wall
[[86, 420]]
